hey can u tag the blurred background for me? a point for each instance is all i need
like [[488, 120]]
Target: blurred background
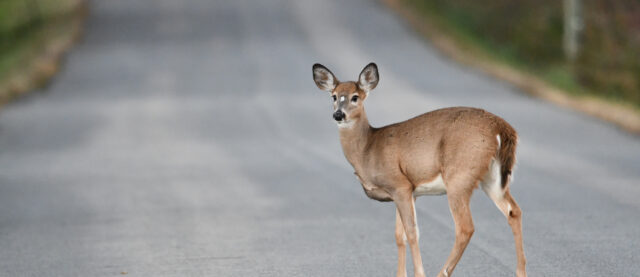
[[187, 138], [581, 46]]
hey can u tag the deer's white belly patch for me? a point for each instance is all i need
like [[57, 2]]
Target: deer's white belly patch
[[435, 187]]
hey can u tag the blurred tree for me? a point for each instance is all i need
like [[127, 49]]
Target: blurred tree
[[572, 28]]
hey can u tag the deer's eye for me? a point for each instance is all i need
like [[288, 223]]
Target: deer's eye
[[354, 99], [335, 98]]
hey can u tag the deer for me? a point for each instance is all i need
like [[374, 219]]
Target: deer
[[450, 151]]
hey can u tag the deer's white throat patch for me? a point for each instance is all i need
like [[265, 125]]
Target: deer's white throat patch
[[345, 124]]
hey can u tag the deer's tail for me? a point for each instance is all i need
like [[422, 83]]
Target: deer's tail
[[508, 138]]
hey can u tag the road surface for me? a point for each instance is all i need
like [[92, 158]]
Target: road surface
[[187, 138]]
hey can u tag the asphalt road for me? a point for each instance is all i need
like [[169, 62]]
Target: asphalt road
[[188, 139]]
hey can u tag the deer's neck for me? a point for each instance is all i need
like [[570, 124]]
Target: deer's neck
[[355, 139]]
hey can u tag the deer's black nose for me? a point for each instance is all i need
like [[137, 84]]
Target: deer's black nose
[[338, 115]]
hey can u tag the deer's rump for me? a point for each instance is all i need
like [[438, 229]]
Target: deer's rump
[[452, 140]]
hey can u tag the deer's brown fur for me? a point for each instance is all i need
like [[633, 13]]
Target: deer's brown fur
[[461, 145]]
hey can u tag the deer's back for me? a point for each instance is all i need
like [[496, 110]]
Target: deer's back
[[444, 141]]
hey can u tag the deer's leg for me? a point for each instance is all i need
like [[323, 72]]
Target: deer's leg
[[405, 203], [512, 212], [459, 206], [401, 240], [515, 221]]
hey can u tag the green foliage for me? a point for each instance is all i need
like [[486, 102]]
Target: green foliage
[[17, 16], [24, 24], [610, 59], [528, 34]]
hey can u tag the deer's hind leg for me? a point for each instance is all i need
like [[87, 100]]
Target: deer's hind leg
[[459, 190], [510, 209]]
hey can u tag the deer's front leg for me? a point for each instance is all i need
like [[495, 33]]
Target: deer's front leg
[[405, 203], [401, 241]]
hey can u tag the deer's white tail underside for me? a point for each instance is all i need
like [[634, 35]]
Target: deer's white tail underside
[[492, 182]]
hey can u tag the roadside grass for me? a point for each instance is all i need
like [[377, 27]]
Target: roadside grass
[[33, 35]]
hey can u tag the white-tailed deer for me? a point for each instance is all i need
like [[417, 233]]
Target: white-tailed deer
[[449, 151]]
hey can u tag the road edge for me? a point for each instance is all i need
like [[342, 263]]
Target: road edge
[[41, 69], [622, 116]]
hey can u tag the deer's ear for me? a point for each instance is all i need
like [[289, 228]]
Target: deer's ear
[[369, 77], [325, 80]]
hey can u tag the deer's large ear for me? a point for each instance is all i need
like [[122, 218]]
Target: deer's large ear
[[369, 77], [325, 80]]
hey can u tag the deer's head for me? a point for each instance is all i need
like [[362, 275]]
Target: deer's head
[[347, 97]]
